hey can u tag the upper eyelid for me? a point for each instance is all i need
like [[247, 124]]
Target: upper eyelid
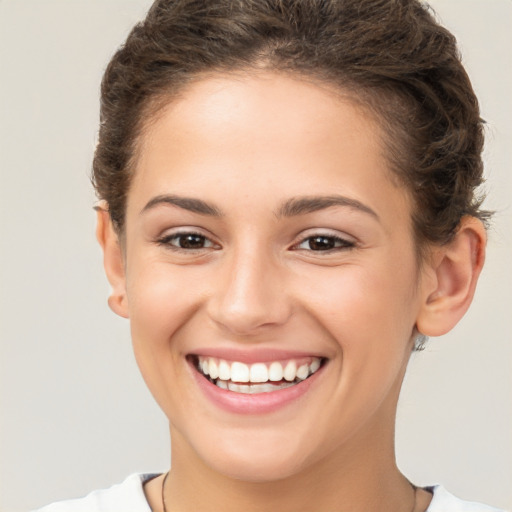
[[185, 230], [327, 233], [165, 239], [346, 243]]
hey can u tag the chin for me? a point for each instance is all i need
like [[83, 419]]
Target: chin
[[256, 460], [262, 470]]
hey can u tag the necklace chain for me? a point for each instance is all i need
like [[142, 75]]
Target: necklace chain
[[414, 490], [415, 493], [163, 488]]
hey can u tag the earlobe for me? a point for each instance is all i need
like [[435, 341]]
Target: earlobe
[[113, 261], [453, 275]]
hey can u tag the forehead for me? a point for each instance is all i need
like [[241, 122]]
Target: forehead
[[282, 135]]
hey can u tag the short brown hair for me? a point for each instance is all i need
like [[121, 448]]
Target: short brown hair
[[390, 54]]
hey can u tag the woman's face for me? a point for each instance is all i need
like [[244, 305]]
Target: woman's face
[[266, 241]]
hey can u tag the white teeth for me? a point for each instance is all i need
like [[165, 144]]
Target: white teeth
[[233, 375], [290, 372], [303, 372], [253, 389], [275, 372], [258, 373], [222, 384], [213, 369], [224, 370], [266, 388], [239, 372], [234, 387], [315, 364]]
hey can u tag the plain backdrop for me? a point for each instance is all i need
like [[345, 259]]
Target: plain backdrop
[[75, 414]]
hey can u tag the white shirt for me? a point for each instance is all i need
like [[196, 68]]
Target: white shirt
[[129, 497]]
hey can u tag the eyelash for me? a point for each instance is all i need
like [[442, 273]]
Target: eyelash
[[333, 243], [168, 239], [336, 243]]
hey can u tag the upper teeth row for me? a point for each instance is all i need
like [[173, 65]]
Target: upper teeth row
[[257, 372]]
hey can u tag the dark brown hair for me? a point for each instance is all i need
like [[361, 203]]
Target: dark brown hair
[[391, 55]]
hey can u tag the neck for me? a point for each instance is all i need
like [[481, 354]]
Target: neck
[[360, 476]]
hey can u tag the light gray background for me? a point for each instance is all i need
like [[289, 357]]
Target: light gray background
[[75, 414]]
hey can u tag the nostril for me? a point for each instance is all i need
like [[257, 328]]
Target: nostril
[[247, 316], [249, 295]]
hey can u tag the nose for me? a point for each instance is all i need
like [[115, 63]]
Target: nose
[[250, 294]]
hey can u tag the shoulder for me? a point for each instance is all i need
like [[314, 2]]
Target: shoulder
[[127, 496], [443, 501]]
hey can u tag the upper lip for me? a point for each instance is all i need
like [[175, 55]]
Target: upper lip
[[255, 355]]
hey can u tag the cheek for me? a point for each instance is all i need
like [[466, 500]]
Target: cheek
[[367, 309], [154, 308], [160, 299], [160, 305], [369, 315]]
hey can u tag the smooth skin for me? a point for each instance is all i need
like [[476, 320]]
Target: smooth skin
[[246, 261]]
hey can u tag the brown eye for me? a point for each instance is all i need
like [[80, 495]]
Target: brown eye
[[186, 241], [190, 241], [320, 243]]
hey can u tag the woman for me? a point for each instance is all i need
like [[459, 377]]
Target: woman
[[288, 209]]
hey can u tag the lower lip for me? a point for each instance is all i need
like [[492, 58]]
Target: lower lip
[[259, 403]]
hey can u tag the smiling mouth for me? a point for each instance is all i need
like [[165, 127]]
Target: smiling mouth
[[256, 378]]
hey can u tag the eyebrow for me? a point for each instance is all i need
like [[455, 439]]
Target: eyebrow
[[303, 205], [187, 203], [290, 208]]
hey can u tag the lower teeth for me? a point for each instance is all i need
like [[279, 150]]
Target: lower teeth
[[251, 389]]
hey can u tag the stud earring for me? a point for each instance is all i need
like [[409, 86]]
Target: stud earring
[[420, 340]]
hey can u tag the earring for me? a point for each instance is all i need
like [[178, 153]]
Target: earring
[[420, 340]]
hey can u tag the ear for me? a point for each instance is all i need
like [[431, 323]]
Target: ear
[[451, 279], [113, 262]]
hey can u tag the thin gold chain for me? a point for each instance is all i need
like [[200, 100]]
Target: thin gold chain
[[163, 488]]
